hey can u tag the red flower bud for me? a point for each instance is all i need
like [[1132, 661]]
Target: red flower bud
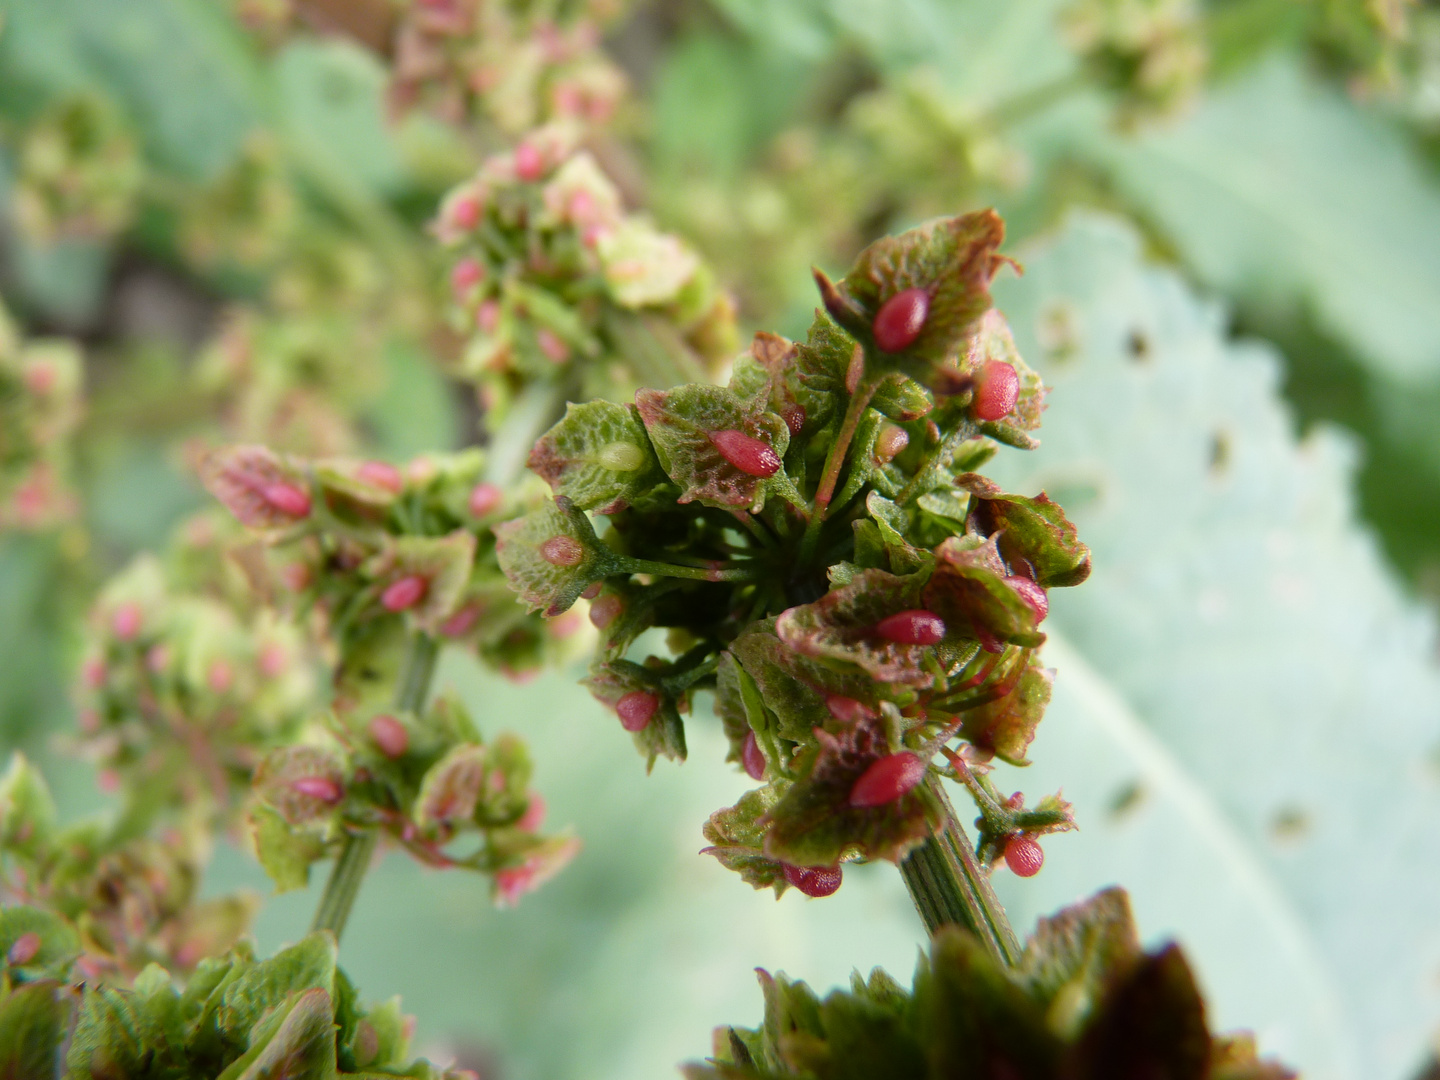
[[887, 779], [464, 212], [529, 163], [1032, 594], [848, 710], [24, 949], [381, 474], [318, 787], [287, 498], [914, 627], [752, 757], [1023, 856], [813, 881], [389, 736], [462, 622], [749, 455], [794, 418], [890, 442], [484, 498], [592, 591], [900, 319], [605, 609], [562, 551], [126, 621], [404, 593], [635, 709], [997, 388]]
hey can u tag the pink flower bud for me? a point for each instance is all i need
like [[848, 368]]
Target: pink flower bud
[[605, 609], [462, 622], [635, 709], [295, 576], [555, 350], [1032, 594], [1023, 856], [997, 388], [914, 627], [592, 591], [752, 757], [93, 672], [320, 788], [887, 780], [814, 881], [529, 162], [287, 499], [382, 475], [465, 275], [126, 621], [487, 316], [464, 212], [900, 319], [108, 781], [751, 456], [157, 659], [404, 593], [389, 736], [794, 418], [219, 677], [89, 721], [562, 551], [40, 378], [848, 710], [272, 660], [534, 815], [24, 949], [484, 498]]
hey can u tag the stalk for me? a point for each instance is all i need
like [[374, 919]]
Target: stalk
[[353, 862], [948, 885]]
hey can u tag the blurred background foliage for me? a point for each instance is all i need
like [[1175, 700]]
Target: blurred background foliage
[[1230, 216]]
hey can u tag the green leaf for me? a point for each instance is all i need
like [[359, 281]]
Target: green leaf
[[969, 591], [27, 810], [664, 735], [452, 787], [300, 1046], [310, 965], [33, 1021], [53, 946], [1275, 190], [598, 457], [680, 423], [1240, 687], [737, 839], [1007, 726], [1035, 530], [445, 563]]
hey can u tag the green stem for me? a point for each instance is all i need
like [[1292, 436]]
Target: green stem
[[538, 406], [835, 461], [350, 867], [948, 885], [1022, 106], [697, 573]]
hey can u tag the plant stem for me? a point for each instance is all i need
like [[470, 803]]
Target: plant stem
[[948, 885], [697, 573], [537, 407], [411, 689]]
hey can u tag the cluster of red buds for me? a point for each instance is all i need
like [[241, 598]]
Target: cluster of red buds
[[39, 409], [555, 282]]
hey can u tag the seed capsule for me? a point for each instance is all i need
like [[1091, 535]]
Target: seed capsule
[[914, 627], [484, 498], [389, 736], [24, 949], [1032, 594], [605, 609], [287, 498], [749, 455], [621, 457], [752, 757], [562, 551], [887, 779], [997, 388], [794, 418], [635, 709], [900, 319], [404, 593], [1023, 856], [847, 709], [318, 787], [814, 881], [890, 442]]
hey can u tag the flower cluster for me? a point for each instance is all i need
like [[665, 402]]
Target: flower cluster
[[504, 63], [78, 171], [555, 283], [293, 1015], [816, 540], [426, 780], [122, 897], [1151, 53], [1084, 1001], [189, 678], [39, 409]]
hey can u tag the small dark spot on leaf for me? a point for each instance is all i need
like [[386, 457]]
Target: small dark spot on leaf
[[1219, 453], [1126, 800], [1289, 824], [1139, 346]]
